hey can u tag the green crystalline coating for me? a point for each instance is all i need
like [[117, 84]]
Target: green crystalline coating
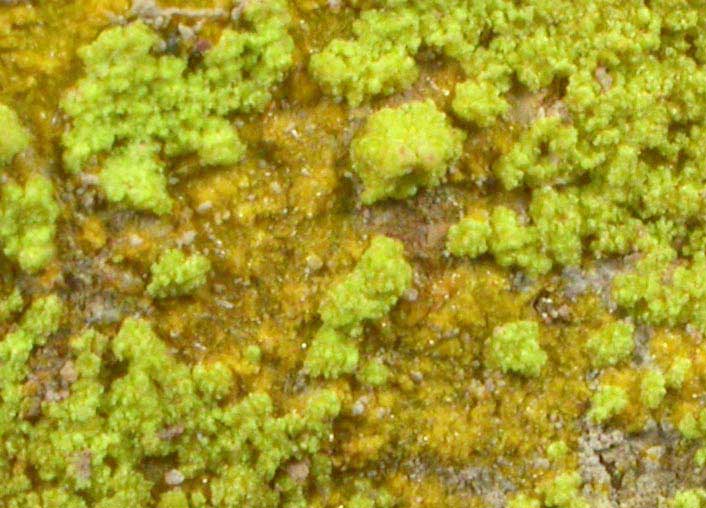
[[652, 389], [214, 380], [468, 238], [367, 497], [660, 292], [544, 154], [514, 347], [563, 492], [611, 344], [10, 305], [631, 90], [173, 499], [253, 354], [39, 321], [373, 373], [479, 102], [378, 61], [331, 354], [559, 224], [366, 294], [557, 450], [132, 96], [523, 501], [553, 237], [690, 426], [135, 177], [693, 426], [607, 402], [620, 145], [14, 138], [678, 372], [379, 57], [28, 223], [133, 401], [373, 287], [693, 498], [176, 274], [514, 244], [402, 149], [700, 457]]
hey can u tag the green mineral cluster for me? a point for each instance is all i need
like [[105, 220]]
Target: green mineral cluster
[[154, 107], [557, 450], [515, 243], [653, 389], [479, 102], [563, 491], [38, 323], [331, 354], [607, 402], [402, 149], [524, 501], [366, 294], [370, 290], [611, 344], [662, 291], [378, 61], [367, 497], [514, 347], [28, 218], [134, 177], [379, 57], [28, 213], [678, 372], [609, 162], [14, 138], [611, 165], [176, 274], [469, 237], [693, 498], [374, 373], [10, 305], [131, 401], [565, 138], [693, 426]]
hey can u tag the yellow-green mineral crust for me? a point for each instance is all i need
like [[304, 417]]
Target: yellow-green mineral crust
[[608, 401], [373, 287], [480, 103], [352, 254], [10, 305], [652, 389], [514, 347], [402, 149], [134, 177], [28, 217], [14, 138], [331, 354], [522, 501], [176, 274], [380, 60], [693, 498], [156, 107], [563, 492], [469, 237], [678, 372], [93, 441], [611, 344], [366, 294]]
